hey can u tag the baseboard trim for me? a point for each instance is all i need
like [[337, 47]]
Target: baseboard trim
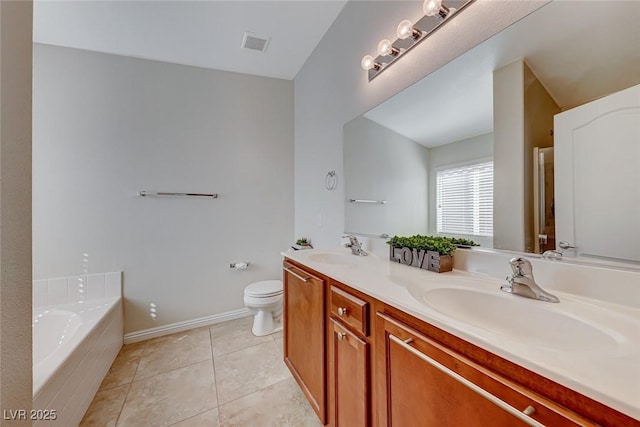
[[186, 325]]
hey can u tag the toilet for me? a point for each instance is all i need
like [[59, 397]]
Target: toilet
[[265, 298]]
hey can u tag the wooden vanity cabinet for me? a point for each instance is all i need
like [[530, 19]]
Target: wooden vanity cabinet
[[304, 333], [361, 363]]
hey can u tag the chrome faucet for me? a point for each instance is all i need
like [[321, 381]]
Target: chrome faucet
[[522, 282], [355, 245]]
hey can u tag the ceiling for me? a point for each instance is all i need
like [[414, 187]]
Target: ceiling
[[200, 33], [578, 50]]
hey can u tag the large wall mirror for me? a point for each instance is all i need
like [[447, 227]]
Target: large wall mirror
[[472, 150]]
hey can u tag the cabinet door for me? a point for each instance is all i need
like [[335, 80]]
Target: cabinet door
[[430, 385], [304, 334], [350, 378]]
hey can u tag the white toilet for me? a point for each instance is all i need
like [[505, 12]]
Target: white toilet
[[266, 299]]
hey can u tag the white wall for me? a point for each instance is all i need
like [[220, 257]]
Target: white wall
[[332, 89], [383, 165], [508, 172], [466, 151], [107, 126], [15, 209]]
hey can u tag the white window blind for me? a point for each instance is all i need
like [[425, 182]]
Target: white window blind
[[465, 200]]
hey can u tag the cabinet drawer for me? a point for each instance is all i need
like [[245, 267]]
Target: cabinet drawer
[[350, 309], [443, 385]]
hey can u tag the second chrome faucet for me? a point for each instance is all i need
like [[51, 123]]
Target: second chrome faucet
[[355, 245], [522, 283]]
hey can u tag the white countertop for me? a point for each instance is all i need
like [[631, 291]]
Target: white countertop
[[609, 374]]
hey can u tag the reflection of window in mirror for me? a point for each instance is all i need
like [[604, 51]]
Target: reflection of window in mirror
[[465, 200]]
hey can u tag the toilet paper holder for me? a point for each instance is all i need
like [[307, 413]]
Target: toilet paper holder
[[239, 265]]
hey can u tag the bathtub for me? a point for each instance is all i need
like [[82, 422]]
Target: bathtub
[[74, 345]]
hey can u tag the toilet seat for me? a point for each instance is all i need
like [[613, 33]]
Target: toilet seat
[[264, 289]]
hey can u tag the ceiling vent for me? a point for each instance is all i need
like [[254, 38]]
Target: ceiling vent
[[254, 42]]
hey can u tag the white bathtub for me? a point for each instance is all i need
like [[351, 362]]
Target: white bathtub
[[74, 344]]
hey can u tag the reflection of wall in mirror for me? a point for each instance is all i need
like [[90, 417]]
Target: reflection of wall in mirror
[[383, 165]]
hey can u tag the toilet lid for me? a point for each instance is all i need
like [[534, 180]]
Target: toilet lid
[[267, 288]]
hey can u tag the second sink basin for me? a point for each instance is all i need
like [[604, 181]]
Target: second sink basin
[[566, 326]]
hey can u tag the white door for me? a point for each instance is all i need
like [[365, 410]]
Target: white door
[[597, 177]]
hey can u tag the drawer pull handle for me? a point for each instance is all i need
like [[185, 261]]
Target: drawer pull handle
[[342, 311], [341, 335], [304, 279], [522, 416], [529, 410]]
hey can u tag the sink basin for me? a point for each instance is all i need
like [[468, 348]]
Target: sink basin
[[332, 258], [566, 326]]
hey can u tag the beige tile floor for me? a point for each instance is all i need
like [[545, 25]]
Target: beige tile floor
[[218, 376]]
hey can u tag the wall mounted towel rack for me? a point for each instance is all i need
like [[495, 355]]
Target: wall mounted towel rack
[[379, 202], [373, 236], [164, 193]]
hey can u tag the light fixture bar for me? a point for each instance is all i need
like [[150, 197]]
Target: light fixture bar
[[419, 31]]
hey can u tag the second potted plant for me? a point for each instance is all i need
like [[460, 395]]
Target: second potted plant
[[432, 253]]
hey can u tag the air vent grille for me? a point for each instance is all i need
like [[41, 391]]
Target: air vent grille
[[255, 42]]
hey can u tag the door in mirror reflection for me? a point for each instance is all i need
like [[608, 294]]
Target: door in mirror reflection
[[597, 155]]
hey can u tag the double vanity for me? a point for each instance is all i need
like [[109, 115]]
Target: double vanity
[[373, 342]]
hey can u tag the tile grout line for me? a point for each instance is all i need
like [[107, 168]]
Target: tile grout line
[[170, 370], [214, 383], [128, 390], [192, 416], [253, 392], [123, 402], [220, 405], [240, 349], [215, 377]]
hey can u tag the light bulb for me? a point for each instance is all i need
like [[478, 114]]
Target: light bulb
[[386, 48], [368, 62], [432, 7], [405, 30]]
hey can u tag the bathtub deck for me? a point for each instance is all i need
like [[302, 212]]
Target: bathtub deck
[[67, 378]]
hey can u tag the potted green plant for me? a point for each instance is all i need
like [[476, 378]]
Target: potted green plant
[[432, 253], [302, 243]]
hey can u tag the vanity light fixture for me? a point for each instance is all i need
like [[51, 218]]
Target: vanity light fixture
[[410, 35], [385, 48], [368, 63], [405, 30], [435, 8]]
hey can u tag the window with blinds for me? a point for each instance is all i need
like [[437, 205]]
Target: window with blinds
[[465, 200]]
